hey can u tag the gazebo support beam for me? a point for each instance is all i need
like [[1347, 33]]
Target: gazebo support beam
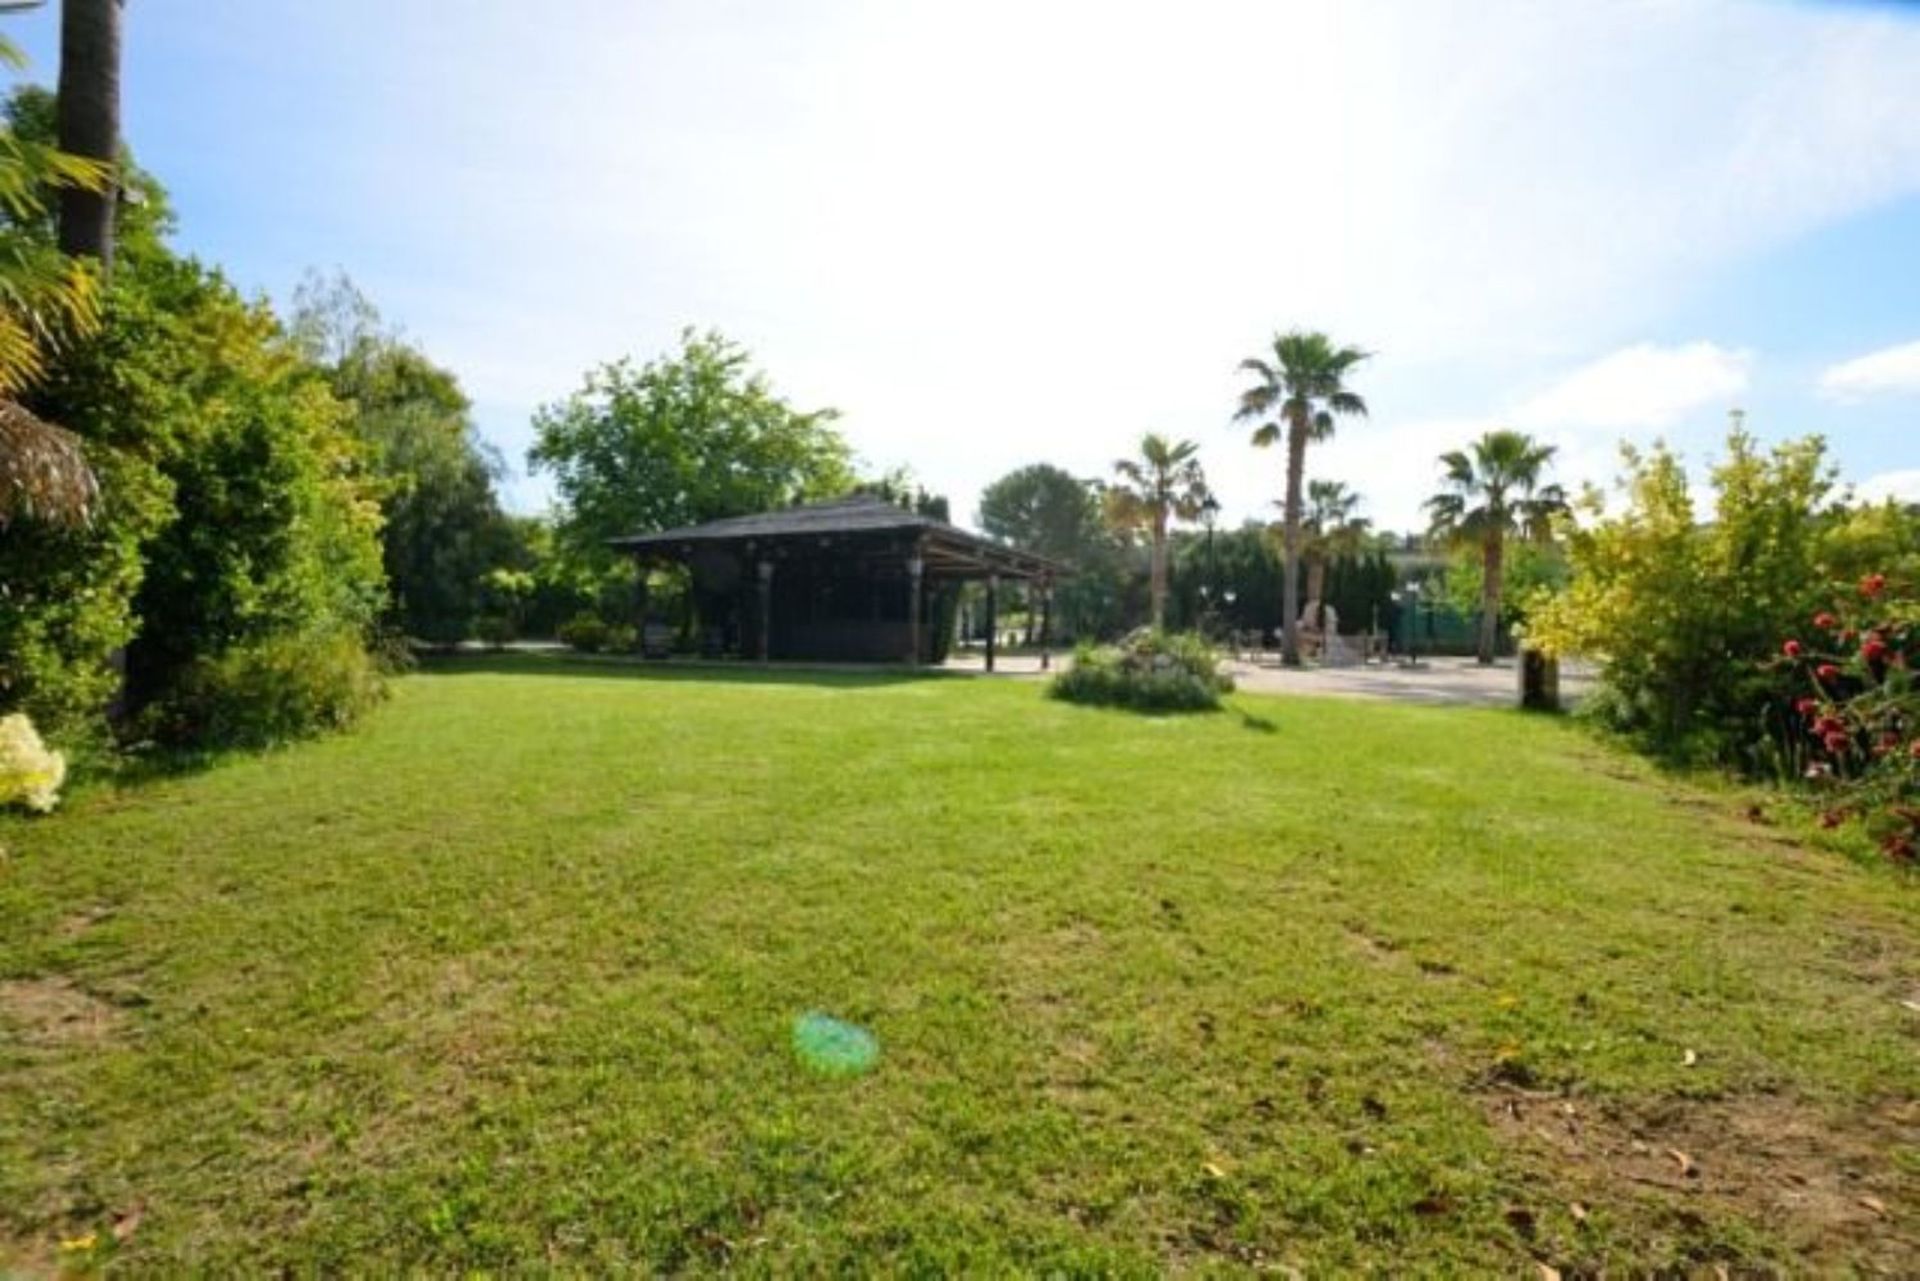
[[766, 610], [1046, 624], [916, 567], [993, 617]]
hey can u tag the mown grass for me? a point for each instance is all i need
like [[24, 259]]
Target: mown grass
[[505, 981]]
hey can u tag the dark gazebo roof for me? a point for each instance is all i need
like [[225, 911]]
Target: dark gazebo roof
[[946, 548]]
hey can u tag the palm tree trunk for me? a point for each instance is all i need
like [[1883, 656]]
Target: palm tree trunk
[[1316, 588], [1491, 567], [88, 114], [1290, 607], [1157, 570]]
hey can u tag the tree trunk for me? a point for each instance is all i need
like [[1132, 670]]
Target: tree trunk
[[1290, 607], [88, 114], [1157, 571], [1490, 571]]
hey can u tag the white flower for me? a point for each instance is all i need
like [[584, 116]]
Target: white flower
[[30, 774]]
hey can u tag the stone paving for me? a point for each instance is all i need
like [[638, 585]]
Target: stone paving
[[1432, 680]]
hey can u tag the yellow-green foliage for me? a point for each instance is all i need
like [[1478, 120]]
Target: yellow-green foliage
[[30, 772], [1679, 605]]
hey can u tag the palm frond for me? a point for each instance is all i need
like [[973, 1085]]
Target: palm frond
[[43, 471], [1347, 403]]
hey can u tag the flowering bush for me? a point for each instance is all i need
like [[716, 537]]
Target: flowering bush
[[30, 773], [1148, 671], [1856, 723]]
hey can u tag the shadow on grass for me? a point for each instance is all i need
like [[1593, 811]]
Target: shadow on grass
[[145, 764], [1258, 724], [674, 670]]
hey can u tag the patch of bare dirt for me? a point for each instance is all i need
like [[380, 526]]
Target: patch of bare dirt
[[1826, 1185], [72, 927], [52, 1013]]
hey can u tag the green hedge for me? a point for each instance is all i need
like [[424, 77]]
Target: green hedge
[[285, 687]]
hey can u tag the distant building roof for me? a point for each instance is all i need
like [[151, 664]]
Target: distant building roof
[[946, 546]]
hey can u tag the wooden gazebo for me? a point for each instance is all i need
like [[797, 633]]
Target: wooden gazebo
[[843, 581]]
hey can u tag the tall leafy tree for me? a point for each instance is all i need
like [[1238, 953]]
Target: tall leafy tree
[[1042, 508], [902, 490], [1046, 509], [689, 437], [1495, 490], [1298, 394], [234, 506], [1162, 484], [1332, 530], [442, 530]]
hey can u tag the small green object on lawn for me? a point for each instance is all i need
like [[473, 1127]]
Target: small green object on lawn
[[830, 1046]]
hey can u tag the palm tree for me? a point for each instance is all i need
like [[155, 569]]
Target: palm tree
[[1493, 491], [88, 108], [1332, 530], [1299, 393], [45, 299], [1165, 482]]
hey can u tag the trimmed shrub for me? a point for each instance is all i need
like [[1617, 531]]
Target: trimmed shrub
[[30, 773], [1148, 672], [285, 687], [584, 632], [494, 630]]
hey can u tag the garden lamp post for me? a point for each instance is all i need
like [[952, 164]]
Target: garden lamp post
[[1209, 513], [1408, 600]]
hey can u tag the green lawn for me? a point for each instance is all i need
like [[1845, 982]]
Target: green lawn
[[506, 980]]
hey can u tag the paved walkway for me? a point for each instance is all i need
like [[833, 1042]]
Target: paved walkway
[[1433, 680], [1459, 681]]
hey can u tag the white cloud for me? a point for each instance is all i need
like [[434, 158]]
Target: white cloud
[[1000, 232], [1902, 486], [1891, 370], [1639, 387]]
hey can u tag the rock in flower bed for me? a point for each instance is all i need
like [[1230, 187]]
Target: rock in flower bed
[[1149, 672]]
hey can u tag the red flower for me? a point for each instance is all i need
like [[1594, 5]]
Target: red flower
[[1832, 818], [1827, 672], [1837, 742], [1914, 749], [1825, 622], [1804, 706], [1791, 649], [1829, 725], [1875, 649], [1873, 585]]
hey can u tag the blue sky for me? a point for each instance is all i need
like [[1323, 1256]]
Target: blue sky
[[1001, 232]]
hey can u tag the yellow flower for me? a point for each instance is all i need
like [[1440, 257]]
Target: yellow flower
[[76, 1245]]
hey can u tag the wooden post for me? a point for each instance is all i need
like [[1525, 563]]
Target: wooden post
[[993, 617], [766, 610], [915, 569], [1046, 624]]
